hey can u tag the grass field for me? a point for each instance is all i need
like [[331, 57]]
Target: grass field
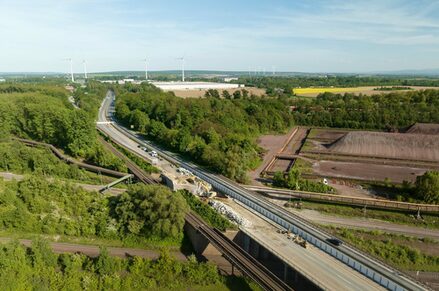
[[403, 252], [428, 221]]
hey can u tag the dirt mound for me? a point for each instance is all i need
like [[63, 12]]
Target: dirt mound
[[390, 145], [424, 128]]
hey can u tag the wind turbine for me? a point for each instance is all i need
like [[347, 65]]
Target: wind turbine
[[71, 68], [85, 68], [182, 67], [146, 69]]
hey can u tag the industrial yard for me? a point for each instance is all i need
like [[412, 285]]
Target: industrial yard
[[355, 155]]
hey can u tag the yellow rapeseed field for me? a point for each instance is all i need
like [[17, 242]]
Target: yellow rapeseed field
[[299, 91]]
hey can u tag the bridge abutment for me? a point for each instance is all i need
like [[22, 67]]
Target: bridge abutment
[[206, 251]]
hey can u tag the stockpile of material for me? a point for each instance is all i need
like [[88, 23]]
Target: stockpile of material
[[390, 145], [229, 213]]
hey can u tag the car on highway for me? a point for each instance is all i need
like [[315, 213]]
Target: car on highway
[[153, 154], [334, 241]]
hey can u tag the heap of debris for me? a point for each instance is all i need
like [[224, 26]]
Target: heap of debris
[[229, 213]]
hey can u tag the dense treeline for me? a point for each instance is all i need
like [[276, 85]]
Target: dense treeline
[[215, 132], [142, 214], [381, 111], [275, 85], [38, 268], [89, 98], [44, 117], [42, 112]]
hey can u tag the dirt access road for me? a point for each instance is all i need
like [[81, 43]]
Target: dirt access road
[[273, 144], [93, 250]]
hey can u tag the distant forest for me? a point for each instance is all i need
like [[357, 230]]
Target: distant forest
[[381, 111], [218, 133], [275, 85]]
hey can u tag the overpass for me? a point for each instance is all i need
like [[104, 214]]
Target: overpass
[[369, 267]]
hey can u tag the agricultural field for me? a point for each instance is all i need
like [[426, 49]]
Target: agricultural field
[[368, 90]]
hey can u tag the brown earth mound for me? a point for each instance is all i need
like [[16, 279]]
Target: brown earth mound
[[390, 145], [424, 128]]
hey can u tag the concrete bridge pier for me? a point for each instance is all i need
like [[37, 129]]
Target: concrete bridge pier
[[277, 266]]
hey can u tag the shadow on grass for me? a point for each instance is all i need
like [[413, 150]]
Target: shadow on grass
[[240, 284]]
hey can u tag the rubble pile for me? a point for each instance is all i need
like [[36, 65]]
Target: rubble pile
[[229, 213]]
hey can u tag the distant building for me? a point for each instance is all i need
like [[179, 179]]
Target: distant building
[[169, 86], [230, 79], [121, 82], [2, 80]]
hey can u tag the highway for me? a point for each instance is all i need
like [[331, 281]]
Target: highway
[[385, 275], [230, 250]]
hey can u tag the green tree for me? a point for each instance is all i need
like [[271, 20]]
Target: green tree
[[148, 210], [226, 94], [106, 265], [427, 187], [237, 94]]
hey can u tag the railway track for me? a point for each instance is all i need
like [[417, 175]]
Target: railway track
[[229, 249], [237, 256], [134, 168]]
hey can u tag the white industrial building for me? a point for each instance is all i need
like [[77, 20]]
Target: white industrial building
[[169, 86]]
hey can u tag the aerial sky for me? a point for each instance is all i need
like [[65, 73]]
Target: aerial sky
[[289, 35]]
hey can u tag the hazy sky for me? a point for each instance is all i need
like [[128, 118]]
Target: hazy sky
[[290, 35]]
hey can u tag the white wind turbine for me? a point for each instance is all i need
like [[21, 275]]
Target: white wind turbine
[[182, 67], [146, 69], [71, 68], [85, 68]]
